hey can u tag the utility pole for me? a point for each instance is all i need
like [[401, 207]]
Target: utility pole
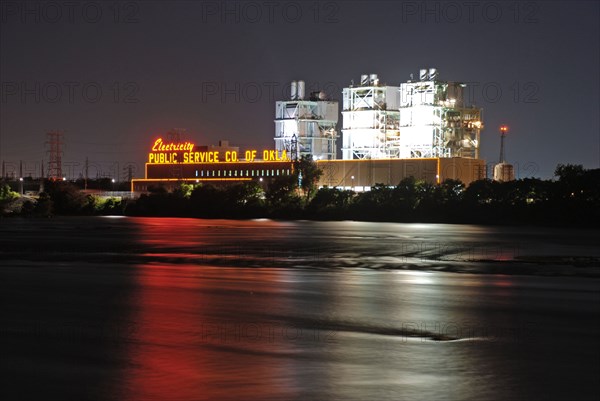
[[294, 146], [86, 173], [21, 177], [42, 178]]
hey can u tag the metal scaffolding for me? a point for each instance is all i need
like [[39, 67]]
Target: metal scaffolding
[[306, 127], [434, 120], [420, 119], [370, 120]]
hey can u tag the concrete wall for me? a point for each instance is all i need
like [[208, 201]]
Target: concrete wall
[[359, 174]]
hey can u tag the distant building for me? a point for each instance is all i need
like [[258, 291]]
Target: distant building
[[370, 120], [421, 129], [419, 119], [435, 121], [306, 126]]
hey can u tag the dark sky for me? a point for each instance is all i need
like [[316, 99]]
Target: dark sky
[[216, 68]]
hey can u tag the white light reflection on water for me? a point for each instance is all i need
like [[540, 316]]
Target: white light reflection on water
[[294, 310]]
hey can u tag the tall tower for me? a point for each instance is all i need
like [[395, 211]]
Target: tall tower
[[54, 142], [370, 120], [503, 171], [306, 126], [503, 130]]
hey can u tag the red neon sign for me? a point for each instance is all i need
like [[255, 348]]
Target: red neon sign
[[160, 146]]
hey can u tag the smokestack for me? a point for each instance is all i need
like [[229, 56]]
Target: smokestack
[[294, 90], [301, 90], [433, 74]]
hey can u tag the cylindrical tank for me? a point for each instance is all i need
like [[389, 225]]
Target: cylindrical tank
[[423, 74], [364, 79], [301, 90], [433, 74], [373, 79], [504, 172], [294, 90]]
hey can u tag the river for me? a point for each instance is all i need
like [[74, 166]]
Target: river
[[187, 309]]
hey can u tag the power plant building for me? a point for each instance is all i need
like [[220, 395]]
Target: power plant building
[[371, 120], [435, 121], [306, 126], [421, 128]]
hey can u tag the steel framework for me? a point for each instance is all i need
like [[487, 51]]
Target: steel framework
[[54, 142], [370, 120], [307, 127], [434, 120]]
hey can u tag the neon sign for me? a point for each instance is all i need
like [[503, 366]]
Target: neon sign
[[183, 153], [160, 146]]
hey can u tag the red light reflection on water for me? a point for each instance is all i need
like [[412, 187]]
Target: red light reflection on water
[[163, 364], [196, 336]]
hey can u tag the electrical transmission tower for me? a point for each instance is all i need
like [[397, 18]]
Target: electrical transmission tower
[[54, 142], [128, 173]]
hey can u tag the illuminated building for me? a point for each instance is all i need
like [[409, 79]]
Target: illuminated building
[[306, 126], [370, 120], [422, 129], [421, 119], [171, 163], [435, 121]]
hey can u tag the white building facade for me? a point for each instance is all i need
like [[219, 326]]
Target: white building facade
[[370, 119], [419, 119], [306, 126]]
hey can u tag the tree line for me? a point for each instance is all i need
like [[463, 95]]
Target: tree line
[[573, 198]]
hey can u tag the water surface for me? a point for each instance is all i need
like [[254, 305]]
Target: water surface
[[184, 309]]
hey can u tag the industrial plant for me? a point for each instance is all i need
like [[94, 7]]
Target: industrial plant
[[421, 128]]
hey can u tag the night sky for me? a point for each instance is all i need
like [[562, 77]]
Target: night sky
[[216, 69]]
